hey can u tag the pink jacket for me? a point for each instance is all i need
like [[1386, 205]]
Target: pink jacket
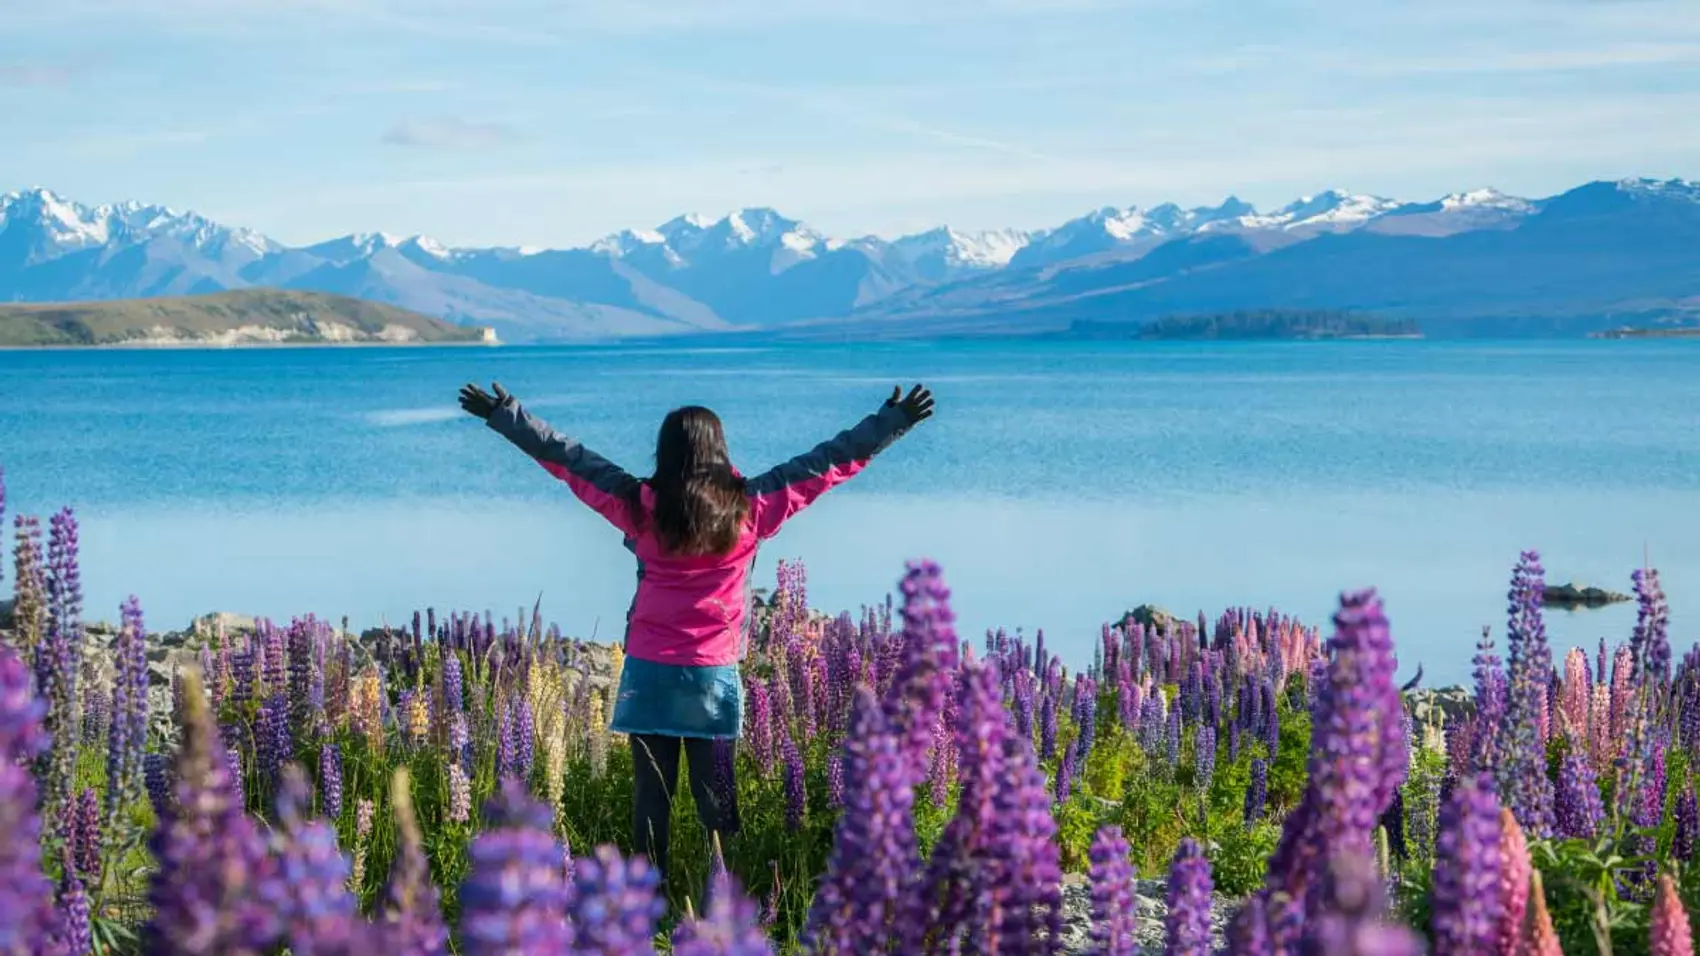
[[693, 611]]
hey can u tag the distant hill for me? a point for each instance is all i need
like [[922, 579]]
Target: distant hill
[[249, 317], [1478, 263], [1261, 325]]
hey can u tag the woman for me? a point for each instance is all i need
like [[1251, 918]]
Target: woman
[[694, 526]]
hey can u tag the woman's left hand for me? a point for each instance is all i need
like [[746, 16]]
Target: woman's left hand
[[480, 404]]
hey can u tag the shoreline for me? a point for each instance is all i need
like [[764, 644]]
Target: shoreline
[[235, 346]]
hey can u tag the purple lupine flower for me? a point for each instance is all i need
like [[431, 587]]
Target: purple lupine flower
[[1577, 809], [453, 684], [1490, 706], [614, 905], [128, 729], [1256, 792], [1025, 885], [1357, 759], [526, 727], [310, 896], [1190, 891], [873, 852], [1172, 738], [58, 660], [299, 652], [1523, 779], [1204, 757], [1686, 817], [214, 873], [233, 762], [1352, 921], [85, 842], [758, 729], [71, 934], [1465, 900], [514, 899], [1115, 905], [154, 774], [729, 925], [795, 796], [915, 700], [272, 730], [274, 662], [411, 916], [1650, 641], [1065, 771], [1048, 727], [1271, 719], [25, 911], [508, 744], [330, 780], [835, 780]]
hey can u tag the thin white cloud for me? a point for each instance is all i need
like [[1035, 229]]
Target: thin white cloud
[[33, 75], [447, 134]]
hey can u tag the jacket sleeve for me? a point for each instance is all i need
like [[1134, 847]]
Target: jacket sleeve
[[598, 482], [780, 493]]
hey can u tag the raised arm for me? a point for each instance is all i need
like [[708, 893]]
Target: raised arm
[[598, 482], [780, 493]]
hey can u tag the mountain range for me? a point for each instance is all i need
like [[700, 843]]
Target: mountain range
[[1472, 263]]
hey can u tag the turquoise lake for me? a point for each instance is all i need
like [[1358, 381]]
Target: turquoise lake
[[1058, 486]]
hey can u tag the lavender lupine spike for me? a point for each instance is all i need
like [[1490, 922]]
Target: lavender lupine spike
[[1065, 772], [1025, 888], [1650, 641], [514, 899], [1523, 780], [71, 934], [310, 896], [1257, 791], [411, 918], [214, 872], [614, 905], [1465, 901], [930, 650], [958, 874], [1204, 758], [796, 797], [729, 925], [1115, 904], [272, 729], [25, 909], [1352, 921], [1577, 808], [127, 732], [1490, 706], [1686, 817], [330, 780], [1190, 891], [1358, 757], [85, 843], [155, 774], [873, 848]]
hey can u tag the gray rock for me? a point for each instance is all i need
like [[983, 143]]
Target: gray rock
[[1151, 616], [1439, 706], [1152, 896], [1570, 597]]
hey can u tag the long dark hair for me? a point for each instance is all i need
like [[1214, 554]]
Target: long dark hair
[[700, 502]]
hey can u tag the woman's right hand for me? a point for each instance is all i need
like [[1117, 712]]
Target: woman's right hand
[[917, 407], [479, 403]]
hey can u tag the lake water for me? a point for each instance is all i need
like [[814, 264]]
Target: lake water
[[1058, 486]]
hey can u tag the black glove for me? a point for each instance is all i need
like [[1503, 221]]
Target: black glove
[[918, 407], [479, 404]]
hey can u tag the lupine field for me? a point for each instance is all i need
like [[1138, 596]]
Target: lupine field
[[449, 787]]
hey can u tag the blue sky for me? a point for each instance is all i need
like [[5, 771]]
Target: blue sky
[[553, 122]]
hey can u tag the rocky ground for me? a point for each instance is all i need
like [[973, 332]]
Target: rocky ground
[[1153, 909]]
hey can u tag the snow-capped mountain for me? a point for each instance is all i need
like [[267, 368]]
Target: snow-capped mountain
[[944, 254], [758, 268]]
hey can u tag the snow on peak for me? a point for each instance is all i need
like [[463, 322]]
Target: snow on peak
[[991, 249], [1484, 199], [1669, 188], [65, 225]]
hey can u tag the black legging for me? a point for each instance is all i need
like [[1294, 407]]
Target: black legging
[[655, 773]]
